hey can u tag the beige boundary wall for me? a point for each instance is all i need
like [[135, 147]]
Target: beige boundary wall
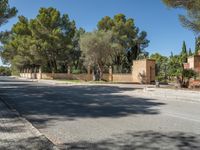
[[126, 78], [49, 76], [143, 72], [193, 62]]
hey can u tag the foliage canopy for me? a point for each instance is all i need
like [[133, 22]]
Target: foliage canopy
[[192, 19], [6, 12]]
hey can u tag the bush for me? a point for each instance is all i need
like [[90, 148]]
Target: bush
[[5, 71], [187, 74], [76, 71]]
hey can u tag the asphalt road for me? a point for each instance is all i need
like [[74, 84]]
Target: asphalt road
[[108, 116]]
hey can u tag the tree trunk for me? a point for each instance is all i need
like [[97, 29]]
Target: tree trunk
[[55, 65], [179, 82], [100, 72]]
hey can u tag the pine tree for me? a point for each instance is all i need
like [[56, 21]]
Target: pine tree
[[6, 12], [191, 19]]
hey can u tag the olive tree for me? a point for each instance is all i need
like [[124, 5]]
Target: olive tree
[[97, 49]]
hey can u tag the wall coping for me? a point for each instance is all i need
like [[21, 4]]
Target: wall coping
[[148, 59], [194, 56]]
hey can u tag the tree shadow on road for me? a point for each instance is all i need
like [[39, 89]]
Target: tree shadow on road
[[9, 121], [16, 135], [43, 103], [31, 143], [10, 80], [142, 140]]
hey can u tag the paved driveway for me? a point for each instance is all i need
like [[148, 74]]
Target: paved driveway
[[106, 116]]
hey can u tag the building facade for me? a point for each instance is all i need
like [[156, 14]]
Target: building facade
[[193, 63]]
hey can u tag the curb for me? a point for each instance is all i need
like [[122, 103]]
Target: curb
[[54, 82], [171, 97], [27, 123]]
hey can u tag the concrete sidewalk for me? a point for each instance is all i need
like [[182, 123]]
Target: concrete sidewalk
[[16, 133], [68, 83]]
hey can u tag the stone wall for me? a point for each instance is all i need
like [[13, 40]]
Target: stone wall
[[193, 63], [65, 76], [126, 78], [150, 71], [197, 63], [143, 72], [139, 71], [49, 76]]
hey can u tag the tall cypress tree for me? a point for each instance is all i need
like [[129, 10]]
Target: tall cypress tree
[[171, 54], [184, 54], [190, 52]]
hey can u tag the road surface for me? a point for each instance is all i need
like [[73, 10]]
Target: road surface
[[107, 116]]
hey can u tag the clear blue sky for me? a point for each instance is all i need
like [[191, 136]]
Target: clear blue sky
[[161, 23]]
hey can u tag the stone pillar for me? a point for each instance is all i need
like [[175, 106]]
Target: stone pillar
[[88, 69], [24, 75], [88, 73], [93, 75], [131, 69], [68, 70], [40, 73], [27, 72], [110, 74], [31, 73], [52, 74], [35, 73]]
